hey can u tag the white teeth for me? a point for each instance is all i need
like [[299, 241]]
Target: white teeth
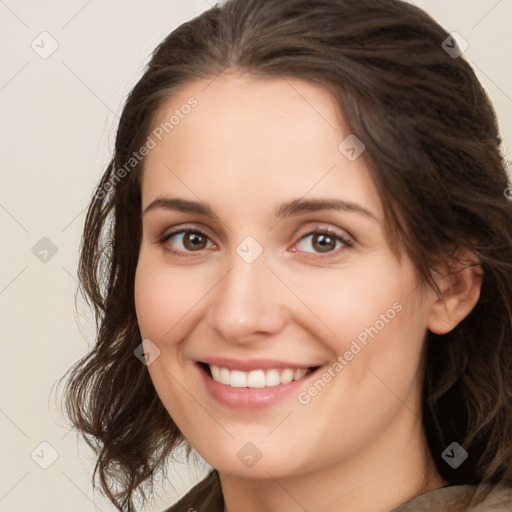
[[255, 378], [300, 373], [272, 378], [215, 373], [238, 379], [287, 376], [224, 376]]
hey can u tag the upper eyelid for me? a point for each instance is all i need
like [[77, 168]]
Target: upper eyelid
[[184, 228], [342, 233]]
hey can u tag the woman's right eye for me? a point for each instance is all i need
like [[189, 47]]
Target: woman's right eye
[[187, 241]]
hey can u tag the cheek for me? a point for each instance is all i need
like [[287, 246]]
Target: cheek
[[166, 299], [355, 301], [373, 320], [154, 312], [382, 350]]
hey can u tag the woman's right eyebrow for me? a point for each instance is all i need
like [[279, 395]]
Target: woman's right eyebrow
[[182, 205], [294, 207]]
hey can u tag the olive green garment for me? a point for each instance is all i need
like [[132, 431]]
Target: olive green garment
[[206, 496]]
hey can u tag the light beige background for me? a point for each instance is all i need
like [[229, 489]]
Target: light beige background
[[58, 119]]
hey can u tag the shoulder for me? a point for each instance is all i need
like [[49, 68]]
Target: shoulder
[[462, 498], [206, 496]]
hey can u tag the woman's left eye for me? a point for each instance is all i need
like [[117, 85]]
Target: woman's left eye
[[324, 241]]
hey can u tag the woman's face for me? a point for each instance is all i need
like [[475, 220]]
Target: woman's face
[[278, 264]]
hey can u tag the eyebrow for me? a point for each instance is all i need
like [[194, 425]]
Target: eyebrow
[[294, 207]]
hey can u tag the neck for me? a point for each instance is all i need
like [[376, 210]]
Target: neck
[[387, 473]]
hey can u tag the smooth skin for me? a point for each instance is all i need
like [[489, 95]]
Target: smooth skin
[[249, 146]]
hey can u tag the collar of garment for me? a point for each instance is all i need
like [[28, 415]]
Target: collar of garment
[[206, 496]]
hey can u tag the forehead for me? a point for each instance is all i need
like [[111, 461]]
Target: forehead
[[249, 94], [259, 115], [257, 135]]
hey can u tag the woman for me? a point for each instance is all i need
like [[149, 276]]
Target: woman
[[308, 268]]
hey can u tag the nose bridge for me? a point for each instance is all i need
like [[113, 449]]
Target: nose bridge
[[246, 301]]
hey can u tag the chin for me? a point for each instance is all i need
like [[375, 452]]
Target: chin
[[254, 460]]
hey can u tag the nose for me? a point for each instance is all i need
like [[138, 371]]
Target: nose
[[248, 303]]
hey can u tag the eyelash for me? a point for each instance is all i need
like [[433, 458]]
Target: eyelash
[[347, 243]]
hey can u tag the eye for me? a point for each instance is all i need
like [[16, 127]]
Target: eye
[[187, 240], [324, 241]]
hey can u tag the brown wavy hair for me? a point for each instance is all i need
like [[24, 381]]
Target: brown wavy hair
[[433, 148]]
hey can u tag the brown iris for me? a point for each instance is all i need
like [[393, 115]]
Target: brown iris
[[194, 241], [325, 242]]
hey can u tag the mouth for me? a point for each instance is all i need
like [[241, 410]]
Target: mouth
[[256, 386], [256, 379]]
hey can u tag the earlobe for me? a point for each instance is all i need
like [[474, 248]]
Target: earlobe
[[460, 286]]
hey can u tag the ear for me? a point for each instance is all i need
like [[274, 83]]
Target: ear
[[460, 282]]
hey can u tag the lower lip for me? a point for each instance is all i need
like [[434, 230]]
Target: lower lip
[[250, 399]]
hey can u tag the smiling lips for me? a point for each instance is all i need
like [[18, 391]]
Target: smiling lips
[[263, 374], [255, 384]]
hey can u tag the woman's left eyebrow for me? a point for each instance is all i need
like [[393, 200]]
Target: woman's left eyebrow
[[294, 207], [299, 206]]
